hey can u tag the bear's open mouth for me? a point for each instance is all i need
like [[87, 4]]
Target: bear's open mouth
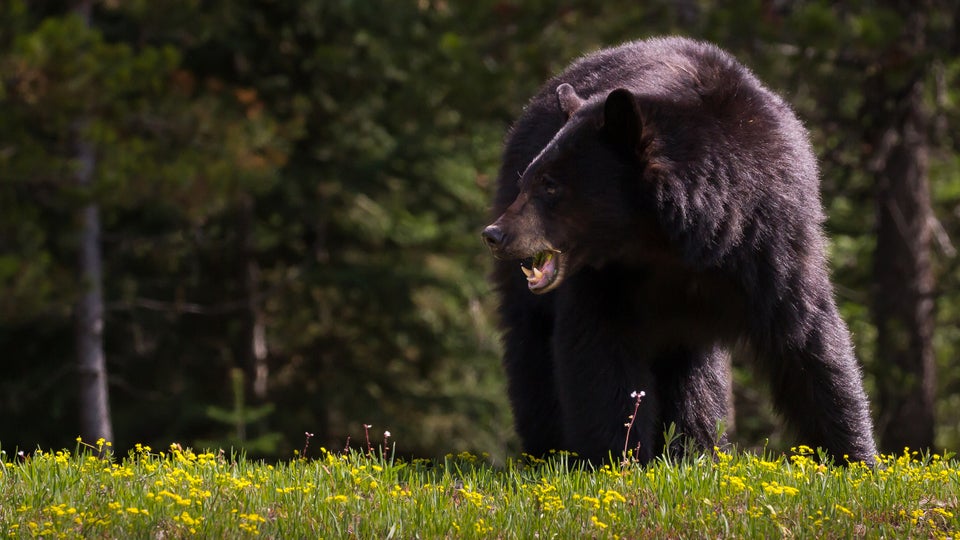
[[543, 271]]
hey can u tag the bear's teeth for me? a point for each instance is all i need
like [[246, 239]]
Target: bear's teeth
[[537, 273], [526, 271]]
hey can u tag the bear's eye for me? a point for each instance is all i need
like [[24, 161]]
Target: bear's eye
[[550, 186]]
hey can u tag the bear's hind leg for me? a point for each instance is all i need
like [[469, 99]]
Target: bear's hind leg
[[816, 385]]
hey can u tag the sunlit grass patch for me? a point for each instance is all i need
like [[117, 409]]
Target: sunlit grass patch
[[178, 492]]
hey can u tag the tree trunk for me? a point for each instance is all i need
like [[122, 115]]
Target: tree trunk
[[95, 420], [94, 403], [903, 296], [257, 351]]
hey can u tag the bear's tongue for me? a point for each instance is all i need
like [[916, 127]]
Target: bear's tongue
[[544, 269]]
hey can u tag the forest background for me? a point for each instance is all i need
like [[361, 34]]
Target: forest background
[[233, 223]]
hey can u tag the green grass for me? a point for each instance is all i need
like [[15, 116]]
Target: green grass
[[179, 493]]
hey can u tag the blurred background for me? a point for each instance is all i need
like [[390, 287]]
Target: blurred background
[[234, 222]]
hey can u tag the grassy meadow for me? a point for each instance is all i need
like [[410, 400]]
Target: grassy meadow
[[177, 492]]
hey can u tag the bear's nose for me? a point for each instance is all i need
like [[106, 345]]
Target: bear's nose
[[492, 236]]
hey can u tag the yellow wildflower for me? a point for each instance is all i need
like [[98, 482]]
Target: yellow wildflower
[[775, 488], [843, 509]]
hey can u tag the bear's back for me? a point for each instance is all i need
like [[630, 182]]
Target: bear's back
[[696, 79], [671, 68]]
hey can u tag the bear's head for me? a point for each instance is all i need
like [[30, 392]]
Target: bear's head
[[577, 200]]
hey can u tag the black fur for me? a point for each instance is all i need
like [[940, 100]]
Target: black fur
[[683, 199]]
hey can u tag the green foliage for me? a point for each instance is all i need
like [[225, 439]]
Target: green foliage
[[239, 417], [218, 152], [180, 493], [323, 167]]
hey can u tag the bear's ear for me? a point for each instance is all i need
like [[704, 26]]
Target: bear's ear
[[622, 121], [569, 100]]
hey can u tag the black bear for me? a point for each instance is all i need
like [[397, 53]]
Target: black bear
[[657, 206]]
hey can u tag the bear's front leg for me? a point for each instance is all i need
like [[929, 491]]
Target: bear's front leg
[[595, 382], [528, 361], [695, 389], [600, 360]]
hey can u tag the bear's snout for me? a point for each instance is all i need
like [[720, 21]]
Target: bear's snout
[[493, 237]]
